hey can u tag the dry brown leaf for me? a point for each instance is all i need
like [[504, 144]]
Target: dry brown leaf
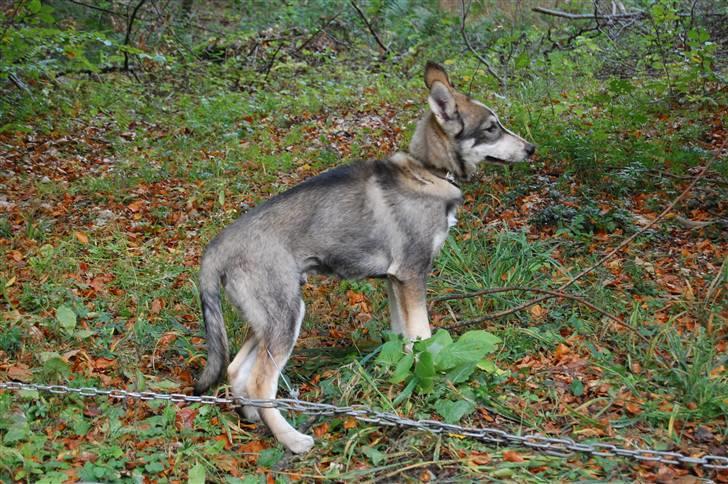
[[512, 456], [82, 237]]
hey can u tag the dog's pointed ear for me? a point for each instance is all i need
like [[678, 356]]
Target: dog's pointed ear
[[435, 72], [443, 106]]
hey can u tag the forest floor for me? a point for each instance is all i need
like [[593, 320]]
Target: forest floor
[[109, 197]]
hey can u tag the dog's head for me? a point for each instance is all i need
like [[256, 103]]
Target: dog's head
[[473, 130]]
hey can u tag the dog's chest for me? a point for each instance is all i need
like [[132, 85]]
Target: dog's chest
[[441, 235]]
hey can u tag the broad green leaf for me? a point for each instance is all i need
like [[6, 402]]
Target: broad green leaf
[[577, 387], [452, 412], [402, 370], [390, 353], [489, 367], [405, 394], [425, 371], [34, 6], [461, 373], [469, 348], [66, 318], [436, 343], [374, 455], [269, 457], [17, 432]]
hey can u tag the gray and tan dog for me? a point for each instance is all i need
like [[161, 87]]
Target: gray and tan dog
[[383, 219]]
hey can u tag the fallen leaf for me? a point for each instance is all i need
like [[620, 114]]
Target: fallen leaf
[[561, 351], [82, 237], [537, 311], [20, 372], [157, 306], [512, 456], [321, 430]]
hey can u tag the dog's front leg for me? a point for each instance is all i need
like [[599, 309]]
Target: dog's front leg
[[396, 315], [411, 307]]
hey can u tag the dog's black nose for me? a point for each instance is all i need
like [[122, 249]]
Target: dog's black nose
[[530, 149]]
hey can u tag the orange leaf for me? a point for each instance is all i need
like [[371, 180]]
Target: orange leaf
[[350, 423], [82, 237], [512, 456], [254, 446], [104, 363], [479, 458], [633, 408], [320, 430], [561, 351], [135, 206], [537, 311]]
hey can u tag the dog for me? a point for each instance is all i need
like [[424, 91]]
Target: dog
[[378, 218]]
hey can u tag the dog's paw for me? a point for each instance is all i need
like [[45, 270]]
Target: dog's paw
[[300, 443]]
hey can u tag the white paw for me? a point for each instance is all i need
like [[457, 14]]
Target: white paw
[[299, 444], [251, 414]]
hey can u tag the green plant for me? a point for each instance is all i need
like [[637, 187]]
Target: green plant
[[437, 362]]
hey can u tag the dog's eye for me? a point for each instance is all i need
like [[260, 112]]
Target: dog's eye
[[492, 128]]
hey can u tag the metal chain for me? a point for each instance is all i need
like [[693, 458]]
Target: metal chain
[[561, 447]]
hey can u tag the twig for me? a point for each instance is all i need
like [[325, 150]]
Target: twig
[[586, 16], [318, 31], [483, 60], [272, 61], [550, 293], [683, 177], [596, 16], [129, 26], [601, 261], [369, 26], [140, 18]]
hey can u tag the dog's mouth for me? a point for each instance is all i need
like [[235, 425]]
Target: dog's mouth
[[501, 161], [497, 161]]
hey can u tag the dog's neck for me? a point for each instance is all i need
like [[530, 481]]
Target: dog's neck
[[432, 147]]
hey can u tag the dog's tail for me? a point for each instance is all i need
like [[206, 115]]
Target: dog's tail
[[217, 342]]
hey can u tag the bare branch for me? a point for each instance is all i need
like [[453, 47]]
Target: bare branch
[[586, 16], [614, 16], [369, 26], [549, 293], [477, 55], [129, 27]]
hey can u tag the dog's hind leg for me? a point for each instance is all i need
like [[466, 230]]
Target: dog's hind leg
[[273, 350], [239, 372]]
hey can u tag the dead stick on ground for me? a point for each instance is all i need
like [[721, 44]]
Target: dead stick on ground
[[550, 293], [601, 261]]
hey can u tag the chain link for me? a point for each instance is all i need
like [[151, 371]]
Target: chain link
[[561, 447]]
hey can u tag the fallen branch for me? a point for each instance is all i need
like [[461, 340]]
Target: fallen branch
[[483, 60], [601, 261], [369, 26], [550, 293], [614, 16], [586, 16]]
